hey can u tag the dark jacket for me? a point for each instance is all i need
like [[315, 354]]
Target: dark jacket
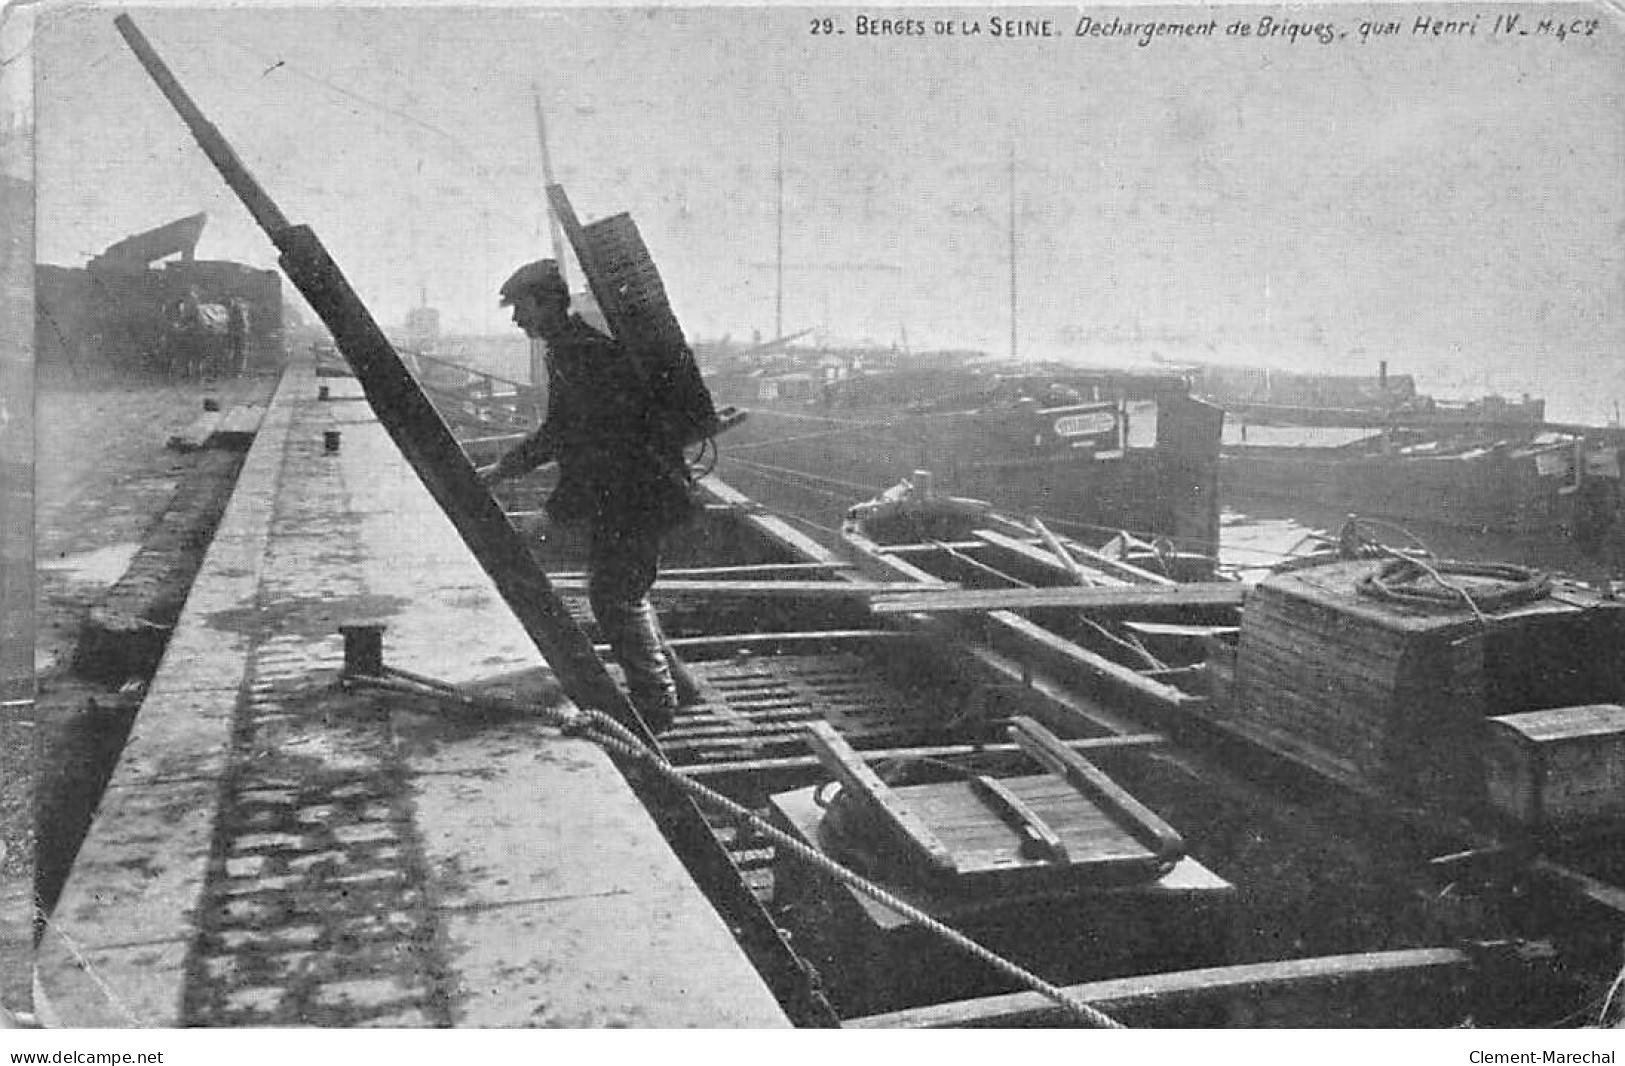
[[617, 439]]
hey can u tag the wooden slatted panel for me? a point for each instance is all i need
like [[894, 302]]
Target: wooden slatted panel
[[981, 841], [767, 699]]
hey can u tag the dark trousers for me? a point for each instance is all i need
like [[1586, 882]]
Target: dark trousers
[[621, 566]]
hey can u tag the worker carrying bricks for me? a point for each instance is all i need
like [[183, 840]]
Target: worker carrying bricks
[[618, 439]]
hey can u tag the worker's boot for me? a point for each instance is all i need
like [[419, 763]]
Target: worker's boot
[[638, 649], [688, 690]]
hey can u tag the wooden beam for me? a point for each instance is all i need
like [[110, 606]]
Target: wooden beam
[[927, 549], [789, 589], [1183, 988], [1031, 554], [855, 775], [756, 570], [1086, 560], [770, 641], [1035, 643], [1060, 759], [1187, 632], [501, 440], [772, 528], [1123, 598], [1123, 742], [1584, 885]]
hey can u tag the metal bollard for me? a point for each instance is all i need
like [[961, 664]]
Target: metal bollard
[[363, 649]]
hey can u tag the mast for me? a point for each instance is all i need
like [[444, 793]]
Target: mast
[[1012, 250], [778, 287]]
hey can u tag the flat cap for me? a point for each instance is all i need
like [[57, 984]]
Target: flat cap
[[542, 274]]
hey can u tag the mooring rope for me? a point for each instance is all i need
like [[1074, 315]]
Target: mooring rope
[[612, 735], [90, 970], [766, 468]]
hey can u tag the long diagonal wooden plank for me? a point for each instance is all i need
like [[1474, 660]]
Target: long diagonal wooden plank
[[407, 414]]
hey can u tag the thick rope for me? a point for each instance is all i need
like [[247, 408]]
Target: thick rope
[[608, 733], [1526, 585]]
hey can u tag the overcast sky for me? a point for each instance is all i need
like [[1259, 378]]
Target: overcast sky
[[1453, 204]]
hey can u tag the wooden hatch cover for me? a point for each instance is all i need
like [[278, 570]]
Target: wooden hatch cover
[[1071, 826]]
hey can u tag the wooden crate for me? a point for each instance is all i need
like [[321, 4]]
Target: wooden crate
[[1557, 769], [642, 313], [1393, 698], [1358, 689]]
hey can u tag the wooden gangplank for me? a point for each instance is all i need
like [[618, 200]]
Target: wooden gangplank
[[407, 414]]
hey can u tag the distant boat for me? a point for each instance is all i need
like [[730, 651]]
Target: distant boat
[[1373, 445], [1277, 397]]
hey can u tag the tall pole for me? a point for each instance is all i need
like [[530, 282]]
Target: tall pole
[[538, 348], [1012, 250], [778, 285]]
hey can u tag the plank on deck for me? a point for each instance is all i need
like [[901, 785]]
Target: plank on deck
[[1128, 597], [1180, 988]]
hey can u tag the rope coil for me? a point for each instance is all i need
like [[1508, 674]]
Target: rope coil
[[1397, 581]]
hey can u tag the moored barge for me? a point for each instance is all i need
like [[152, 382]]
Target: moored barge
[[1115, 451], [1472, 710]]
